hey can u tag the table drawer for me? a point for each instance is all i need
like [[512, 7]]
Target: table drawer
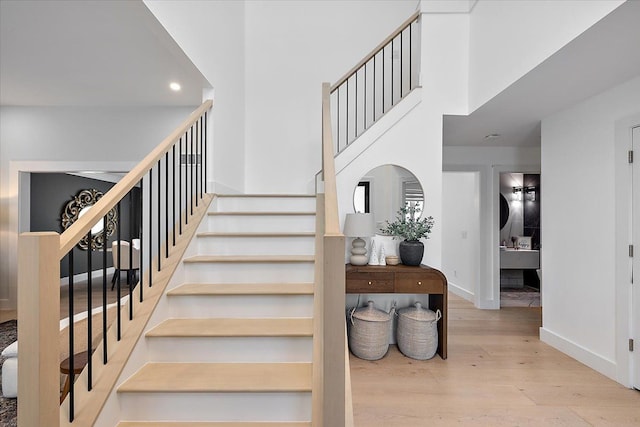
[[417, 283], [361, 283]]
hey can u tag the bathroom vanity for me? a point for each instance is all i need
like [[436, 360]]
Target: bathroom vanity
[[513, 263], [521, 259]]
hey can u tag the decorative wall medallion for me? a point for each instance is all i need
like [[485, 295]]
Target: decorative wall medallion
[[78, 206]]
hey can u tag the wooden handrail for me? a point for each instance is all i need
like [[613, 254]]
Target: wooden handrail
[[81, 227], [375, 51], [329, 170]]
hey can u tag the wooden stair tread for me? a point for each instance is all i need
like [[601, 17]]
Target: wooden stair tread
[[256, 234], [250, 258], [234, 327], [202, 289], [213, 424], [258, 213], [220, 377]]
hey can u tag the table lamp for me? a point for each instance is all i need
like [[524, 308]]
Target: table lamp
[[359, 225]]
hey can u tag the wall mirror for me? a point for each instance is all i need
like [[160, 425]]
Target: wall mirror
[[78, 206], [384, 190]]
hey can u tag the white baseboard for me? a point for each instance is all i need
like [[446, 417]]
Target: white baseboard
[[462, 293], [594, 361]]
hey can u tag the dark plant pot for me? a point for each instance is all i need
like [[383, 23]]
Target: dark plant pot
[[411, 252]]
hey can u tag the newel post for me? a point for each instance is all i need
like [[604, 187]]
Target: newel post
[[39, 329]]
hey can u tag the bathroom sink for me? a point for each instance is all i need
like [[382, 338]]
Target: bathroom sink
[[519, 259]]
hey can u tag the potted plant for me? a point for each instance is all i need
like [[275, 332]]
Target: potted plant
[[409, 226]]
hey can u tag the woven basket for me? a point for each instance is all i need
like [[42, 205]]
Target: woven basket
[[418, 332], [369, 333]]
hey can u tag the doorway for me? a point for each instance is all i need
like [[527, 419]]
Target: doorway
[[520, 239]]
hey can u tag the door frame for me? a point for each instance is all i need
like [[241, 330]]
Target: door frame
[[623, 237], [635, 239], [495, 224]]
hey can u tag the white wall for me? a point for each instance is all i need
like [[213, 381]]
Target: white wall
[[69, 135], [212, 34], [489, 162], [580, 245], [461, 232], [291, 48], [267, 61], [510, 38]]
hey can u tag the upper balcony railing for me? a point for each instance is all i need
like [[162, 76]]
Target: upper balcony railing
[[378, 82]]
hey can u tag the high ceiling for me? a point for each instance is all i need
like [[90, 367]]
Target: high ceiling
[[109, 53], [605, 55], [91, 53]]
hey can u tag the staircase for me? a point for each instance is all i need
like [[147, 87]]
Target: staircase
[[236, 344]]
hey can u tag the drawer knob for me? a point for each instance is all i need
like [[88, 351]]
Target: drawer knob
[[419, 283], [370, 283]]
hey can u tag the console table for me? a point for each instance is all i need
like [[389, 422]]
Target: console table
[[402, 279]]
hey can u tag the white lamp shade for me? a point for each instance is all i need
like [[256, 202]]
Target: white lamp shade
[[359, 225]]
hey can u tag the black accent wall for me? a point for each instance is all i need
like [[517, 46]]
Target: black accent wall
[[50, 193], [531, 222]]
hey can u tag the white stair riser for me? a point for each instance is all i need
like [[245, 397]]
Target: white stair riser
[[261, 223], [230, 349], [237, 306], [214, 245], [215, 406], [248, 272], [263, 204]]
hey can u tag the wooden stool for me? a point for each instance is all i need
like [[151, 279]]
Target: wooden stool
[[79, 362]]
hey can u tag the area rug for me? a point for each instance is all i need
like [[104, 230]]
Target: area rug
[[8, 407]]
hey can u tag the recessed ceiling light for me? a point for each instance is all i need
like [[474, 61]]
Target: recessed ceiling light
[[174, 86], [492, 136]]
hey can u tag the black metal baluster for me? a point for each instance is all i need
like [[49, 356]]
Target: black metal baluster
[[173, 195], [166, 204], [89, 310], [131, 271], [206, 127], [104, 290], [141, 216], [180, 187], [150, 227], [392, 67], [71, 336], [411, 54], [401, 54], [198, 160], [374, 87], [159, 218], [119, 260], [338, 115], [355, 121], [186, 175], [347, 115], [383, 81]]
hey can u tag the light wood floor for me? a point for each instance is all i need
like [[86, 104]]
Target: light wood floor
[[498, 373]]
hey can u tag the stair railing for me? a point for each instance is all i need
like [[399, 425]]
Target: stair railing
[[160, 196], [376, 83]]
